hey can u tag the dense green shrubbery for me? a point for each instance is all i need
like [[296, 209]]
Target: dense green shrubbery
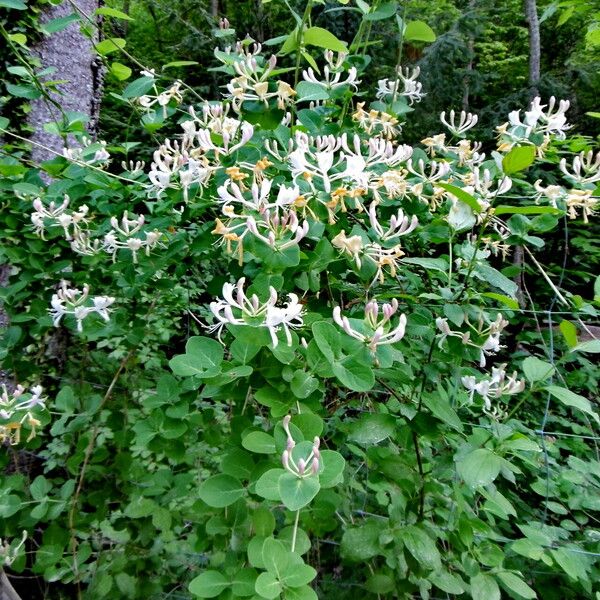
[[287, 359]]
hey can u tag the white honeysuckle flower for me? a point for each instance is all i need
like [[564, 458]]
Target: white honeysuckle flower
[[499, 384], [437, 170], [163, 98], [405, 85], [379, 335], [399, 224], [124, 235], [278, 225], [332, 79], [585, 168], [72, 301], [350, 245], [231, 193], [252, 312], [583, 200], [552, 192], [306, 466], [466, 121]]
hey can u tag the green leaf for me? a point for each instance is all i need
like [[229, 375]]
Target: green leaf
[[267, 485], [243, 350], [110, 45], [4, 123], [60, 23], [259, 442], [372, 429], [40, 487], [569, 331], [361, 543], [495, 278], [591, 346], [327, 338], [308, 92], [268, 586], [536, 369], [208, 584], [515, 584], [297, 574], [380, 584], [301, 593], [479, 467], [451, 584], [203, 357], [243, 582], [421, 546], [574, 400], [275, 556], [221, 490], [354, 374], [180, 63], [431, 264], [138, 87], [113, 12], [120, 71], [385, 11], [526, 210], [9, 505], [303, 384], [317, 36], [484, 587], [333, 465], [418, 31], [14, 4], [440, 408], [295, 492], [518, 159], [463, 196], [510, 302]]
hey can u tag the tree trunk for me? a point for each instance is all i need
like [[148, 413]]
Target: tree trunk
[[534, 45], [72, 54]]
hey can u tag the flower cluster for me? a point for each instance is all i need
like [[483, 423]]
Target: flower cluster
[[127, 234], [306, 466], [378, 331], [72, 301], [405, 85], [10, 553], [18, 407], [497, 385], [162, 99], [236, 308], [58, 215]]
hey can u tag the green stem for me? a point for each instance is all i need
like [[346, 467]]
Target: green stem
[[300, 39], [295, 532]]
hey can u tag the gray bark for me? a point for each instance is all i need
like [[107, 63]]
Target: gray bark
[[72, 54], [534, 45]]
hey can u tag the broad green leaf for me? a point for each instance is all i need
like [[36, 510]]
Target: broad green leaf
[[328, 340], [515, 584], [569, 398], [221, 490], [495, 278], [113, 12], [569, 331], [362, 543], [518, 159], [9, 505], [4, 122], [510, 302], [203, 357], [268, 586], [372, 429], [300, 593], [296, 493], [297, 574], [259, 442], [275, 555], [354, 374], [110, 45], [421, 546], [431, 264], [462, 195], [379, 583], [571, 563], [440, 408], [591, 346], [243, 350], [536, 369], [120, 71], [208, 584], [138, 87], [267, 485], [263, 521], [447, 582], [243, 582], [418, 31], [308, 92], [526, 210], [384, 11], [317, 36], [479, 467], [14, 4], [332, 468], [40, 487], [484, 587], [60, 23], [303, 384]]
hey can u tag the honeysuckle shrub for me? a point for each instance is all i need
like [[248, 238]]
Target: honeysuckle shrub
[[282, 357]]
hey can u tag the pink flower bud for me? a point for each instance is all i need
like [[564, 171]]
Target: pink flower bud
[[315, 466]]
